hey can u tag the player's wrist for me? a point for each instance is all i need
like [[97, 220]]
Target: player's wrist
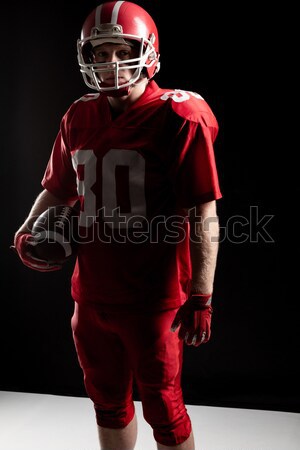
[[200, 300], [197, 287], [199, 291], [200, 294]]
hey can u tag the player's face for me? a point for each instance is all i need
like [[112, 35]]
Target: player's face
[[111, 53]]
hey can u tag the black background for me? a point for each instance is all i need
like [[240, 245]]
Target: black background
[[251, 359]]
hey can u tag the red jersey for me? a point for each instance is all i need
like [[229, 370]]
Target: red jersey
[[133, 175]]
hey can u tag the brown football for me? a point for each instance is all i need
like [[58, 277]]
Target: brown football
[[56, 233]]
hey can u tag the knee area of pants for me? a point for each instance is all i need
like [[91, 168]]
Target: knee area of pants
[[114, 417], [171, 425], [173, 434]]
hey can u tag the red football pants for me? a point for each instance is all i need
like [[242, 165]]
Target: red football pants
[[116, 348]]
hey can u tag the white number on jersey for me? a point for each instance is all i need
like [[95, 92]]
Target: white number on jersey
[[135, 163]]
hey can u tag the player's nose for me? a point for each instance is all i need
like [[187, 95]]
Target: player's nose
[[112, 57]]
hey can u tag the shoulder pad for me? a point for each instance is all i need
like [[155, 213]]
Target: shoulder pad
[[87, 97], [190, 106]]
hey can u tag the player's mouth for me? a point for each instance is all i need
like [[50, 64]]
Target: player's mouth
[[111, 80]]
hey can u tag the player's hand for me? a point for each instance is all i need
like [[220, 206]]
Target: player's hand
[[24, 244], [194, 320]]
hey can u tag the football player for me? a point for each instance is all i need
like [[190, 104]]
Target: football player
[[140, 160]]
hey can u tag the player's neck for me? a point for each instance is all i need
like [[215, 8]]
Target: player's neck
[[121, 104]]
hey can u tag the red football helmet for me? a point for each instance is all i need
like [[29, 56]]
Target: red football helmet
[[118, 22]]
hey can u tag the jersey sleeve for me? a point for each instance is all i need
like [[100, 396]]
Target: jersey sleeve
[[197, 178], [59, 177]]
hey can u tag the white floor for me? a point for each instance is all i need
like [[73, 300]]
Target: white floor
[[49, 422]]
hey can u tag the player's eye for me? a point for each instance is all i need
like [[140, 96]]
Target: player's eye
[[123, 54], [100, 55]]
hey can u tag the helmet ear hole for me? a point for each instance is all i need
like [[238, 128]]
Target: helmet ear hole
[[87, 53]]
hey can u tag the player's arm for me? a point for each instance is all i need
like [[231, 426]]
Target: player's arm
[[204, 245], [43, 201], [23, 240], [194, 317]]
